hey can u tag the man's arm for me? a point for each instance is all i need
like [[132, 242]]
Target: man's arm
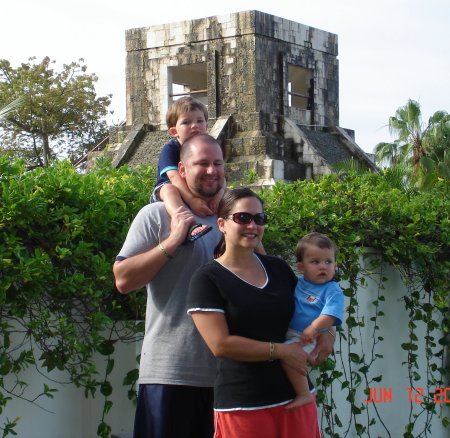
[[135, 272]]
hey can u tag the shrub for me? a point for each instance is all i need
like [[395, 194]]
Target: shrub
[[61, 231]]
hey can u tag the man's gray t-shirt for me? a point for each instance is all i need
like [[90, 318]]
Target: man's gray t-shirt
[[173, 352]]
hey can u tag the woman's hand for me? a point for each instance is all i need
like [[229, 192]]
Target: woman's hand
[[214, 330], [324, 347], [294, 356]]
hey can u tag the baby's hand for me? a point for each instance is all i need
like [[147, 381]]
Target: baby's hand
[[309, 334], [214, 202]]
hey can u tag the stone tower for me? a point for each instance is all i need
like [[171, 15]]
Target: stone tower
[[271, 86]]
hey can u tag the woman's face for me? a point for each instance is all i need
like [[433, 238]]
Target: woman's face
[[243, 235]]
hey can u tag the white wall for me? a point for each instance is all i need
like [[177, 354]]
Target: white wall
[[69, 414], [73, 416], [394, 329]]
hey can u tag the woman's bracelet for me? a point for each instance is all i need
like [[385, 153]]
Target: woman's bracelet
[[164, 251], [271, 351]]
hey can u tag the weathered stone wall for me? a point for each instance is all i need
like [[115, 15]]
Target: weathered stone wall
[[246, 55], [148, 151]]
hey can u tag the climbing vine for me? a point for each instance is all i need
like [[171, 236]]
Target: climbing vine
[[61, 230], [376, 228]]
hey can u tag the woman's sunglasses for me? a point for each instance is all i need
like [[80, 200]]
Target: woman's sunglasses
[[245, 218]]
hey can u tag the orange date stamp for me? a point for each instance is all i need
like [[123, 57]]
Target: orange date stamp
[[416, 395]]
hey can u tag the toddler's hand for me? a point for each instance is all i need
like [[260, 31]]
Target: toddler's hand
[[200, 207], [309, 334]]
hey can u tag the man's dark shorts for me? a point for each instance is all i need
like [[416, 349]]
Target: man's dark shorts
[[174, 411]]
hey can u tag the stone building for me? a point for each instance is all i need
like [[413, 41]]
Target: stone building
[[271, 86]]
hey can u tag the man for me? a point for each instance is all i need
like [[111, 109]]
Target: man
[[176, 369]]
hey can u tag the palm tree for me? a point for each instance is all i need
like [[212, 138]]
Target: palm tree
[[437, 138], [388, 153], [407, 126], [10, 107], [416, 145]]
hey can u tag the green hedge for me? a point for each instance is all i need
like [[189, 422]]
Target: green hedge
[[59, 234], [410, 232], [60, 231]]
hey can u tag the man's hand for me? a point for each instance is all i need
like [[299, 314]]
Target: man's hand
[[324, 347], [179, 226]]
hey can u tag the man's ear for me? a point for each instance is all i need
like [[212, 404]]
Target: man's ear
[[181, 169], [173, 131]]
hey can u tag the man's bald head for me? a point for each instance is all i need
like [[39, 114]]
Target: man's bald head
[[199, 139]]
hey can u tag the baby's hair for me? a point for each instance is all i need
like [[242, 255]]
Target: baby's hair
[[314, 239], [182, 106]]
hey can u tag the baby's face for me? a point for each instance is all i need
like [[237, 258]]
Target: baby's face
[[318, 265], [190, 124]]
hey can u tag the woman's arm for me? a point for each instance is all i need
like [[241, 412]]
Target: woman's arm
[[213, 327]]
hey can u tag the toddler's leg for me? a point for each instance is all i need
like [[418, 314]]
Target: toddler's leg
[[171, 197], [300, 384]]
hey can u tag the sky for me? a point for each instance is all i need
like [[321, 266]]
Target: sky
[[389, 50]]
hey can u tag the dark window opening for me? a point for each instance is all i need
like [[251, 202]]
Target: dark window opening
[[300, 87], [188, 80]]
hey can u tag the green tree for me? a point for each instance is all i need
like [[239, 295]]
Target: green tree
[[418, 150], [61, 115], [436, 164]]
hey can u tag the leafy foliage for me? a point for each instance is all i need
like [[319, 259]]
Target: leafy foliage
[[60, 115], [420, 151], [407, 230], [60, 233], [61, 230]]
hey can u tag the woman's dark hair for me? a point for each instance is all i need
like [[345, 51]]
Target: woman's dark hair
[[229, 199]]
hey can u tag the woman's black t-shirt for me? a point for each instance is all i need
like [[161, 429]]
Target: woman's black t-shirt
[[257, 313]]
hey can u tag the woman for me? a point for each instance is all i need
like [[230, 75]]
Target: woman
[[242, 303]]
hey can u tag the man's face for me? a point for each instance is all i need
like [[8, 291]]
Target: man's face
[[203, 168]]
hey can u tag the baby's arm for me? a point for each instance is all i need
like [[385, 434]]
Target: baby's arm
[[197, 205], [313, 330]]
